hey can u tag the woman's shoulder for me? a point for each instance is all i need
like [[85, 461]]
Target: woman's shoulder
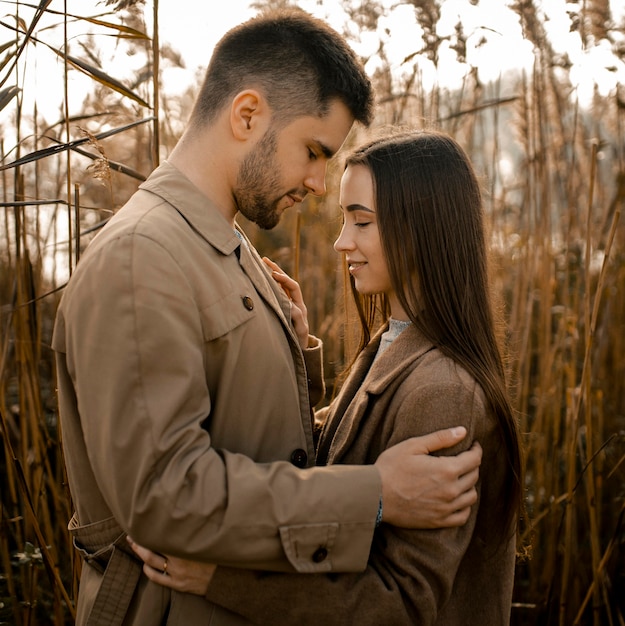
[[437, 368], [436, 384]]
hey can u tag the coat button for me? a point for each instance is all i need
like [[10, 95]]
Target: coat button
[[320, 554], [299, 458], [248, 303]]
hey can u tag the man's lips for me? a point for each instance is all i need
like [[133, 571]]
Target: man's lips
[[295, 198], [291, 200]]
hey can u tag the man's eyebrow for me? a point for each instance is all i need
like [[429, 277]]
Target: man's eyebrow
[[350, 208], [327, 152]]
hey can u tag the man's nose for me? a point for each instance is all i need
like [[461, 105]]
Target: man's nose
[[315, 182]]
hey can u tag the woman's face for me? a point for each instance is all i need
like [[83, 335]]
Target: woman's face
[[360, 237]]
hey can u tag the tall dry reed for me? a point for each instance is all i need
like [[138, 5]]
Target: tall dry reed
[[554, 184]]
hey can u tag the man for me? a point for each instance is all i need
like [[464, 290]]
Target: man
[[185, 395]]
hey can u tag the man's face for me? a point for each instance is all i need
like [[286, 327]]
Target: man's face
[[286, 165]]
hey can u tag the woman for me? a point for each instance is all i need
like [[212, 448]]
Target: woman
[[413, 237]]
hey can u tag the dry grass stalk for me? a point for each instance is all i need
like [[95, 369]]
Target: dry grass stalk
[[565, 312]]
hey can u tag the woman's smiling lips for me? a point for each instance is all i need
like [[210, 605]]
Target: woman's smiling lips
[[354, 266]]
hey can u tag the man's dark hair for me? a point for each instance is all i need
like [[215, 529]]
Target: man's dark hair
[[298, 62]]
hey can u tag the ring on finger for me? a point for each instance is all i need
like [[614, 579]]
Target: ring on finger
[[165, 568]]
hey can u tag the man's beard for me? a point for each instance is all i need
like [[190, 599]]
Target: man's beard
[[257, 182]]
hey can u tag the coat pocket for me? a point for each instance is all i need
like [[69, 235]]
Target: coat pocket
[[228, 313]]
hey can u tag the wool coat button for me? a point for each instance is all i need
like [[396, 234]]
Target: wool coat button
[[248, 303], [299, 458], [320, 554]]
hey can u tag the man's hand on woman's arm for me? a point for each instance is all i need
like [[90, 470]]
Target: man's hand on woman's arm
[[423, 491], [418, 491]]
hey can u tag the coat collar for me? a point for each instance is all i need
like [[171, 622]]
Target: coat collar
[[369, 378], [397, 358], [169, 183]]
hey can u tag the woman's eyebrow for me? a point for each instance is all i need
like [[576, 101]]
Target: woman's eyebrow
[[358, 207]]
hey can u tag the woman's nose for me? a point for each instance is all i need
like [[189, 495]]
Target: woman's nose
[[342, 242]]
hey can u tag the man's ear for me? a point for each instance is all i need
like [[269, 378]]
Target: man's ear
[[249, 113]]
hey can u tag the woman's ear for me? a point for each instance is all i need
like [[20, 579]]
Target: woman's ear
[[248, 114]]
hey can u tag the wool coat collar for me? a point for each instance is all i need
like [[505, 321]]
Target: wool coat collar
[[369, 377]]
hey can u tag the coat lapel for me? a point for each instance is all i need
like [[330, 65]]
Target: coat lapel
[[368, 382], [341, 403], [204, 218], [267, 288]]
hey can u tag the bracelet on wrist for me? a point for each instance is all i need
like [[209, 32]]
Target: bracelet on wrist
[[378, 517]]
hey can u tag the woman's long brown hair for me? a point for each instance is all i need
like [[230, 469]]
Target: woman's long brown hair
[[430, 217]]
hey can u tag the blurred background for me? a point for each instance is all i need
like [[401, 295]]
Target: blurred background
[[93, 95]]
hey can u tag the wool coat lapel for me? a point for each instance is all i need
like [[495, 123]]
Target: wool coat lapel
[[369, 383]]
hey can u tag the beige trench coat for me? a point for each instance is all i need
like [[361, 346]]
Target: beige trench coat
[[447, 577], [186, 417]]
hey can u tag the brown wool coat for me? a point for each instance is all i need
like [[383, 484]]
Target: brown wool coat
[[451, 577], [177, 366]]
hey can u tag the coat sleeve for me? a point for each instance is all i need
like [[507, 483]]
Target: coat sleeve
[[410, 573], [134, 354]]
